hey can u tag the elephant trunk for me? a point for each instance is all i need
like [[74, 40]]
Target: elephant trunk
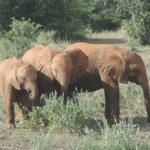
[[145, 88], [33, 93]]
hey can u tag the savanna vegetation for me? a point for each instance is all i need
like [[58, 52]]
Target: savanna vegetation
[[57, 23]]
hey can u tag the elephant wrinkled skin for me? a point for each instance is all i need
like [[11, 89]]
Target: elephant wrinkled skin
[[94, 66], [18, 83], [40, 58]]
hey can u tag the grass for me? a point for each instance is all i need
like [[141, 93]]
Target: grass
[[46, 38], [72, 117], [123, 136]]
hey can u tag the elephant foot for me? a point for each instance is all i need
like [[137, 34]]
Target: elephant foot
[[11, 126], [112, 121]]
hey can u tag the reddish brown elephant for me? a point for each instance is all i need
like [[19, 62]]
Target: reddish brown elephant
[[40, 58], [94, 66], [18, 83]]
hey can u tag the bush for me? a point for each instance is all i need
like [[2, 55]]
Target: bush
[[138, 28], [71, 117], [137, 19], [103, 15], [66, 18], [126, 7], [19, 38]]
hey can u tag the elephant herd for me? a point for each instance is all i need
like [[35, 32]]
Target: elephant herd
[[80, 67]]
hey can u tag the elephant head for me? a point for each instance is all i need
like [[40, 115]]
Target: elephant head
[[136, 73], [42, 64], [24, 77], [40, 58], [67, 67]]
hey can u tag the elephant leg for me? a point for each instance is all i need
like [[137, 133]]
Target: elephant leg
[[147, 99], [10, 113], [115, 101], [107, 104], [112, 109]]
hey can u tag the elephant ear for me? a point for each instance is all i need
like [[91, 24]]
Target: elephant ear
[[42, 64], [13, 81], [115, 67], [80, 63]]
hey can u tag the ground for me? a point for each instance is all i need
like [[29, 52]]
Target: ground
[[22, 139]]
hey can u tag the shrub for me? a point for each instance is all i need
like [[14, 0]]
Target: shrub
[[103, 15], [137, 19], [138, 28], [68, 19], [71, 117], [19, 37]]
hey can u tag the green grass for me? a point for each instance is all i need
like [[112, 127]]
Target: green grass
[[72, 117]]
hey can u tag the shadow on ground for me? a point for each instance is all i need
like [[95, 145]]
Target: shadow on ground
[[141, 122], [105, 41]]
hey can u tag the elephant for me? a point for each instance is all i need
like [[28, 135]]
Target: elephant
[[40, 58], [18, 84], [94, 66]]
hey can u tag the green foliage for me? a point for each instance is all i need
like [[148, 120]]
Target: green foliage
[[65, 17], [138, 28], [125, 8], [19, 37], [137, 19], [103, 15], [71, 117], [5, 13], [22, 28], [67, 21]]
